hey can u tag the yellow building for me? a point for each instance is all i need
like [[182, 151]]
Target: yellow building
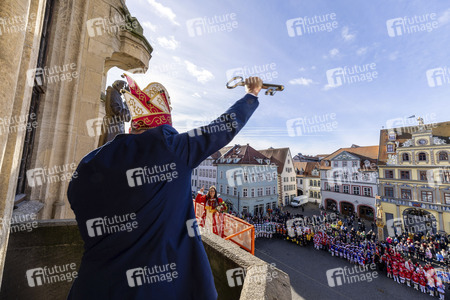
[[414, 178]]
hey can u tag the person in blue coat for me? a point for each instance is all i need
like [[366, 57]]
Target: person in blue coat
[[133, 204]]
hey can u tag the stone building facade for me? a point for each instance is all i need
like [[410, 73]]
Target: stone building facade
[[55, 56]]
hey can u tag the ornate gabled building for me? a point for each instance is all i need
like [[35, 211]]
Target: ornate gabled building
[[287, 184], [414, 176], [349, 181], [247, 180], [308, 180]]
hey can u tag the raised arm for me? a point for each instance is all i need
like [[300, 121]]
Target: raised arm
[[197, 144]]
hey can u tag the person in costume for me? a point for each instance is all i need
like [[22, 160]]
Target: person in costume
[[213, 208], [143, 179], [415, 278]]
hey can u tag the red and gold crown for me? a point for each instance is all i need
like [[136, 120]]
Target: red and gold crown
[[150, 107]]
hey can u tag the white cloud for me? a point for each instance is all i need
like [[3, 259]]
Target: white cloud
[[313, 67], [168, 43], [329, 87], [361, 51], [393, 55], [164, 11], [334, 52], [201, 74], [149, 25], [302, 69], [301, 81], [196, 95], [445, 18], [346, 35]]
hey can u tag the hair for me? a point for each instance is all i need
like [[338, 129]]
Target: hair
[[215, 192]]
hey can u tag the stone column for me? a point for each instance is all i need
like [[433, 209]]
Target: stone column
[[19, 44]]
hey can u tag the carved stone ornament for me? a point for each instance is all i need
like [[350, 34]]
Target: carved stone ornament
[[438, 141], [408, 143], [392, 159]]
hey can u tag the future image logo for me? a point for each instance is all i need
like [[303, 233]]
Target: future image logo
[[207, 25], [311, 125], [438, 76], [309, 25], [410, 25], [351, 74], [346, 275], [394, 226]]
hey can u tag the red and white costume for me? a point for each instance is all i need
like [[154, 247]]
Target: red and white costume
[[211, 212]]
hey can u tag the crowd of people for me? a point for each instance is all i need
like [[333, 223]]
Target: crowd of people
[[411, 259]]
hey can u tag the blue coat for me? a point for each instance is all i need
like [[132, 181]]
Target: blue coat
[[133, 204]]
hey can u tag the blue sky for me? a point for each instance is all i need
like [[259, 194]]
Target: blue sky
[[193, 64]]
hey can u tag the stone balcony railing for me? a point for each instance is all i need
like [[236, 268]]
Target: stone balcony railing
[[58, 242]]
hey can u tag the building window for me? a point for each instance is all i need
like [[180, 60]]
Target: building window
[[274, 190], [245, 209], [260, 192], [426, 196], [406, 194], [252, 193], [228, 190], [354, 163], [336, 188], [367, 191], [388, 173], [244, 192], [422, 156], [335, 164], [390, 148], [269, 177], [315, 194], [235, 191], [267, 190], [445, 176], [405, 157], [346, 189], [392, 136], [423, 175], [221, 174], [356, 190], [389, 192], [443, 156], [221, 189], [344, 163], [310, 194], [327, 186], [447, 198], [355, 176], [274, 205], [404, 175]]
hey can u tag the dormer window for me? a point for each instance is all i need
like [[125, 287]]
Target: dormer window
[[259, 160], [392, 136], [236, 160], [390, 148]]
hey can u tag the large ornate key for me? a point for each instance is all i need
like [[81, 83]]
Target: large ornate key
[[239, 81]]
